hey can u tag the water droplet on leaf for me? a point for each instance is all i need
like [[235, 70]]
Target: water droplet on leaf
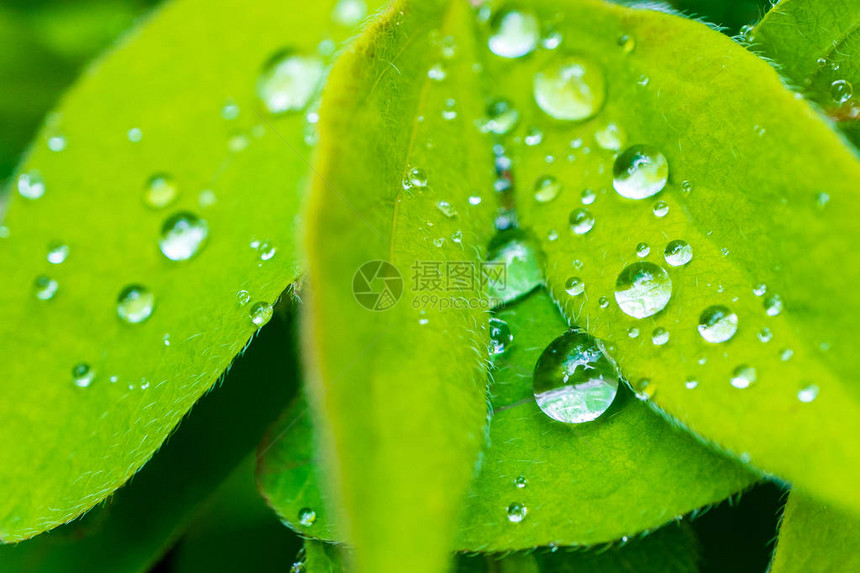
[[643, 289], [641, 171], [135, 304], [717, 324], [572, 90], [183, 235]]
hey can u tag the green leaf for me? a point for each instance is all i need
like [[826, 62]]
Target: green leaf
[[236, 532], [815, 537], [748, 163], [671, 549], [74, 446], [399, 393], [816, 46], [131, 529], [627, 472]]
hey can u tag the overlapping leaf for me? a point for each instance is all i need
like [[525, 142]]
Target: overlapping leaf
[[398, 387], [65, 448], [750, 170], [816, 45], [816, 537], [628, 472], [155, 507]]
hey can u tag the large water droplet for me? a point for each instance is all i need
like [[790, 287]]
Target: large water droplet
[[609, 137], [678, 253], [260, 313], [660, 336], [642, 250], [717, 324], [547, 188], [517, 257], [31, 185], [516, 512], [574, 379], [500, 336], [514, 34], [743, 376], [160, 191], [135, 304], [574, 286], [581, 221], [573, 89], [289, 81], [643, 289], [183, 236], [44, 287], [521, 482], [83, 375], [641, 171]]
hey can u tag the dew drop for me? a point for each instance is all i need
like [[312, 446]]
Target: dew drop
[[841, 91], [765, 335], [57, 252], [627, 43], [717, 324], [516, 512], [691, 383], [437, 72], [521, 482], [447, 209], [501, 118], [475, 200], [773, 305], [289, 81], [160, 191], [243, 297], [588, 197], [266, 250], [661, 209], [307, 516], [83, 375], [518, 252], [183, 236], [575, 381], [678, 253], [808, 393], [45, 288], [514, 33], [260, 313], [644, 389], [31, 185], [349, 13], [415, 177], [603, 302], [633, 332], [581, 221], [230, 110], [135, 304], [500, 336], [547, 188], [743, 376], [642, 250], [786, 354], [533, 136], [609, 137], [641, 171], [572, 90], [643, 289], [760, 289], [134, 135], [574, 286], [660, 336]]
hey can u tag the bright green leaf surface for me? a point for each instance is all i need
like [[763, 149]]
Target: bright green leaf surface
[[755, 160], [236, 532], [627, 472], [399, 392], [815, 44], [816, 538], [672, 549], [140, 521], [66, 447]]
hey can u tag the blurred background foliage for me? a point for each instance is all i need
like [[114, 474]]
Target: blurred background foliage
[[46, 44]]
